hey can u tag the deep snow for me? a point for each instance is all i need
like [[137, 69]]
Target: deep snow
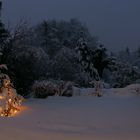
[[75, 118]]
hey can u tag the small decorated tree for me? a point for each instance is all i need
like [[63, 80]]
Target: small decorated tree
[[10, 101]]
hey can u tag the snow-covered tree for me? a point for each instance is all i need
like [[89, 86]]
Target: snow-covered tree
[[124, 75], [10, 101], [64, 65], [85, 59], [52, 35], [102, 60], [127, 68], [136, 58], [125, 56], [3, 32]]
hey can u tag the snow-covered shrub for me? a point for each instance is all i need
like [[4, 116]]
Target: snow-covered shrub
[[65, 88], [43, 89]]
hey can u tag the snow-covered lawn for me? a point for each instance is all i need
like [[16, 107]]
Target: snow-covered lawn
[[75, 118]]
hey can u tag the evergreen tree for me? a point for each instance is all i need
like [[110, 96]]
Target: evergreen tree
[[102, 60], [4, 34], [85, 58], [0, 7], [3, 31], [10, 101], [138, 52]]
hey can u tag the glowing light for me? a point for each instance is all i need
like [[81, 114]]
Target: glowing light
[[10, 101], [1, 97], [15, 111]]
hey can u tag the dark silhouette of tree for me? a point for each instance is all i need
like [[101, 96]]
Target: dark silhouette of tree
[[3, 31], [0, 7], [95, 60], [4, 34], [101, 60], [85, 58]]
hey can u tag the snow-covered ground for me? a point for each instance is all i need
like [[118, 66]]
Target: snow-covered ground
[[130, 90], [77, 118]]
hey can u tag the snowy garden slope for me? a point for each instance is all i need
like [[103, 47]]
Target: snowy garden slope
[[75, 118]]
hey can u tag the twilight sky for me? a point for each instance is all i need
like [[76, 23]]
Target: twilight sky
[[115, 22]]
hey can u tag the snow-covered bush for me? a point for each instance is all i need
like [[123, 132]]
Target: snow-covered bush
[[65, 88], [43, 89]]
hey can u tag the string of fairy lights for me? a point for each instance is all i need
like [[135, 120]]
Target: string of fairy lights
[[10, 101]]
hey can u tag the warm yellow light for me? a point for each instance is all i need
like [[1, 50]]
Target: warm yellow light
[[9, 99], [15, 111], [1, 97]]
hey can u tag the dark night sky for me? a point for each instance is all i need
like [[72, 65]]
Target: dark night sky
[[115, 22]]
